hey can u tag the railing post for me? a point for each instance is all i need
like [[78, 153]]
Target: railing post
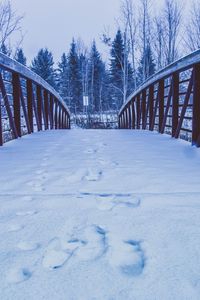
[[126, 117], [143, 108], [39, 106], [138, 111], [46, 109], [129, 116], [69, 121], [161, 103], [51, 111], [122, 120], [30, 103], [175, 102], [16, 102], [1, 133], [196, 107], [133, 113], [151, 103], [56, 113]]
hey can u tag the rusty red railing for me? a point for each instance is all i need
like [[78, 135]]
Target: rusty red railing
[[27, 102], [168, 102]]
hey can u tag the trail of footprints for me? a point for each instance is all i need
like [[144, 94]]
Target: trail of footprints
[[88, 243], [91, 244], [85, 244]]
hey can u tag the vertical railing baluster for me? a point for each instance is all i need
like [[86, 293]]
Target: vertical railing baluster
[[143, 108], [46, 109], [56, 113], [16, 102], [196, 106], [30, 103], [175, 102], [1, 132], [151, 104], [138, 109], [129, 116], [133, 114], [161, 103], [39, 105]]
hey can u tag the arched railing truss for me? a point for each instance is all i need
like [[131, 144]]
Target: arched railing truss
[[168, 102], [28, 103]]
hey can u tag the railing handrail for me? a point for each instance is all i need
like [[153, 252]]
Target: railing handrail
[[12, 65], [183, 63]]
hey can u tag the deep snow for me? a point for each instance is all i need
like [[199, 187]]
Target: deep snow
[[91, 214]]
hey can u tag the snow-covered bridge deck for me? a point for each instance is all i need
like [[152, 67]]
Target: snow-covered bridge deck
[[99, 215]]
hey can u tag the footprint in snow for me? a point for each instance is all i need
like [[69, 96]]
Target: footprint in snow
[[37, 186], [93, 175], [17, 275], [57, 254], [110, 202], [127, 256], [76, 176], [90, 151], [40, 172], [28, 246], [15, 227], [84, 244], [26, 213]]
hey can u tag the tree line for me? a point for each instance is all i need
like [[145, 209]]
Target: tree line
[[148, 37]]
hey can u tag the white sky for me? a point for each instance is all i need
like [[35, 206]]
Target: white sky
[[53, 23]]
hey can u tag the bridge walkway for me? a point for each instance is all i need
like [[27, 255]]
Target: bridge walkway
[[95, 214]]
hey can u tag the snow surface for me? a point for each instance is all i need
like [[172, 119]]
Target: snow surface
[[91, 214]]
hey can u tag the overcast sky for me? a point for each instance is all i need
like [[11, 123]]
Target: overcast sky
[[53, 23]]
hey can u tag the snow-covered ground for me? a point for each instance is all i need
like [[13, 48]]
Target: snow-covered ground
[[99, 215]]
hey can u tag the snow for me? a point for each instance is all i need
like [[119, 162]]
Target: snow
[[91, 214]]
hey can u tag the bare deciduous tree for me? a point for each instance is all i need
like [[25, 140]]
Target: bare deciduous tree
[[172, 23], [192, 39], [10, 22], [130, 19], [158, 41]]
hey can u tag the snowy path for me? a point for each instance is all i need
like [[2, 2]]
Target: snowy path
[[99, 215]]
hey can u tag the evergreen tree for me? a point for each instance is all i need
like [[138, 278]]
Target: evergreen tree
[[43, 64], [116, 69], [120, 72], [4, 50], [146, 67], [20, 57], [63, 79], [96, 79], [75, 86]]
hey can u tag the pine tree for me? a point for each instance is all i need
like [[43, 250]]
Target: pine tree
[[120, 71], [96, 79], [4, 50], [63, 79], [20, 57], [75, 86], [146, 67], [43, 64]]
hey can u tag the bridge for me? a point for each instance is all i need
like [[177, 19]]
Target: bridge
[[100, 214]]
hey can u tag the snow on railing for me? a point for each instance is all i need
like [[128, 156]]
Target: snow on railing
[[168, 102], [28, 103]]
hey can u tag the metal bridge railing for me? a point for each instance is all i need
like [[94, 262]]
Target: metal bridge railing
[[168, 102], [27, 102]]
